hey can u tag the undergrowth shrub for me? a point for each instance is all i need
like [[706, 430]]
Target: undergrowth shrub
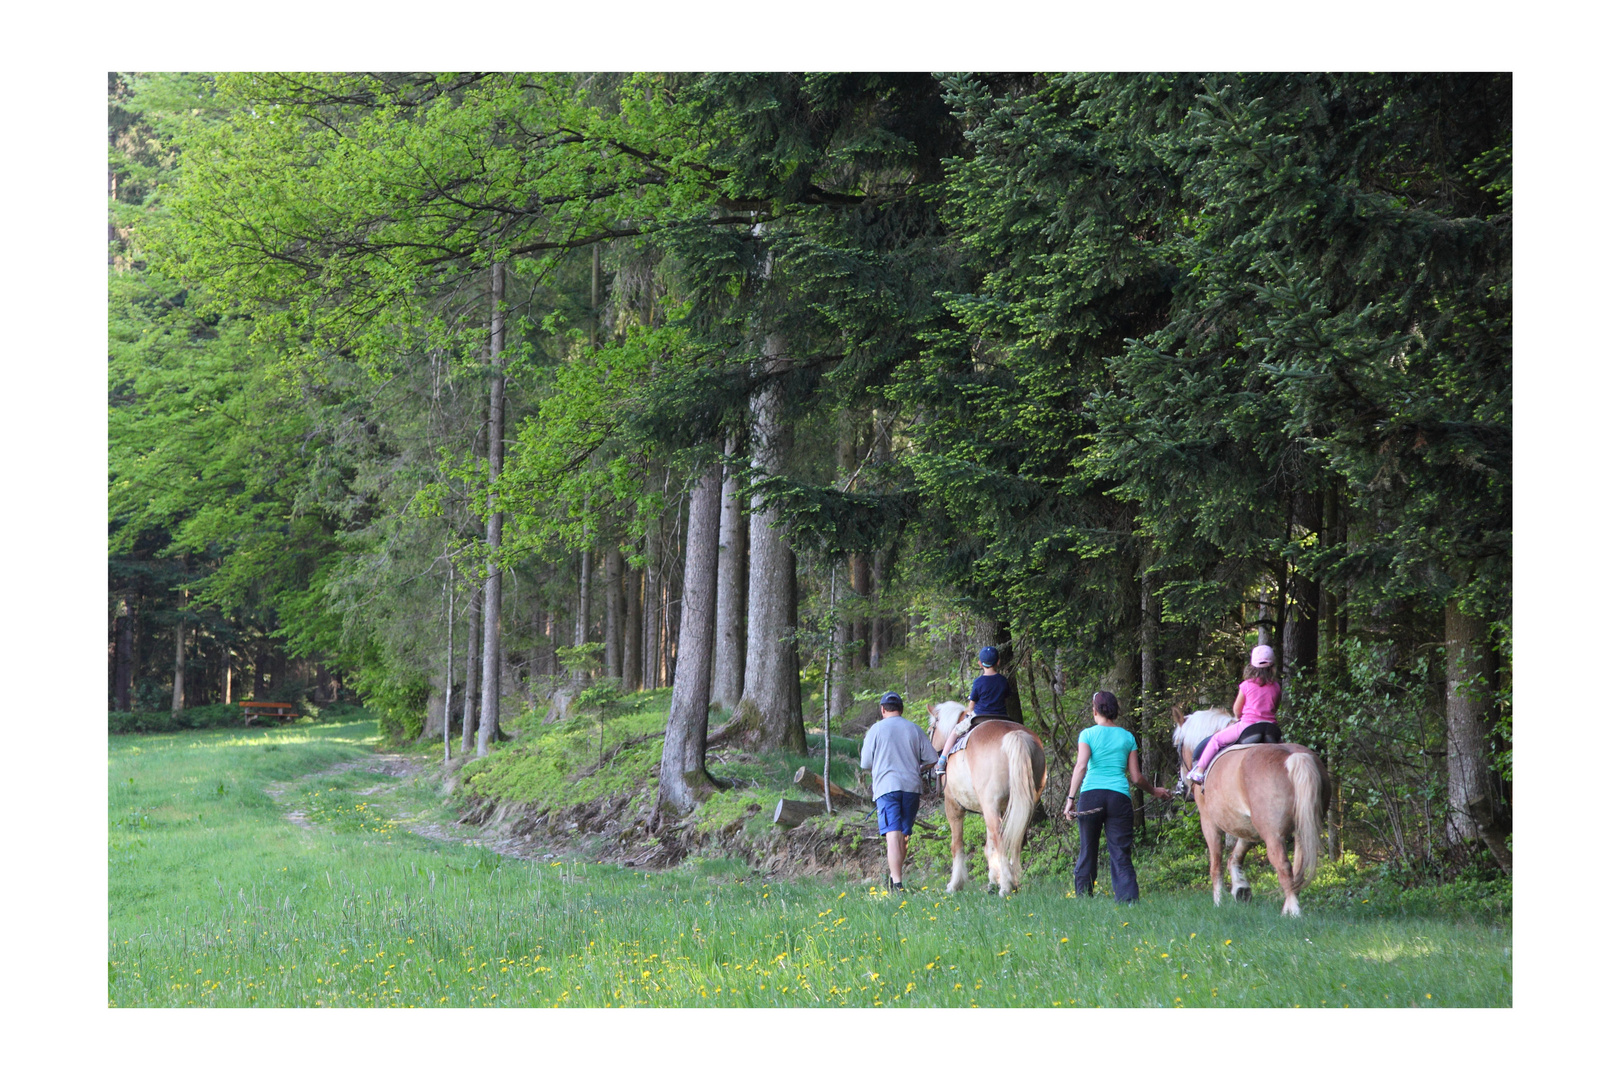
[[144, 721]]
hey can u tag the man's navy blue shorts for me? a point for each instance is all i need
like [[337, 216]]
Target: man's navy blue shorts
[[897, 810]]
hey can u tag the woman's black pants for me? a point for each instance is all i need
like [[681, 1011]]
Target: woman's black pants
[[1116, 819]]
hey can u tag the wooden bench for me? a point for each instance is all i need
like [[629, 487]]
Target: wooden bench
[[269, 710]]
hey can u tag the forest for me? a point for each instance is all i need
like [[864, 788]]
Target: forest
[[484, 400]]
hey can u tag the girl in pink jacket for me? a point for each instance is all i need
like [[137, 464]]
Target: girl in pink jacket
[[1256, 702]]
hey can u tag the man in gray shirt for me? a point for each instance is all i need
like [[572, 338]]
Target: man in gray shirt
[[897, 752]]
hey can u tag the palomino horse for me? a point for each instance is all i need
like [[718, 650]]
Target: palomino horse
[[1260, 793], [1000, 774]]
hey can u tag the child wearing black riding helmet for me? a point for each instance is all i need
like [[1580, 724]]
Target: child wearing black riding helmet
[[987, 698]]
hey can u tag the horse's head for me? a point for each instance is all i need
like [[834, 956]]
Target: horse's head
[[941, 719]]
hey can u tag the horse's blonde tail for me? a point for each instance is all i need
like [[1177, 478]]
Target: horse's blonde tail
[[1306, 773], [1021, 792]]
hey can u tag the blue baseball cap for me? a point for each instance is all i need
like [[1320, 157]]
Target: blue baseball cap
[[988, 656], [891, 700]]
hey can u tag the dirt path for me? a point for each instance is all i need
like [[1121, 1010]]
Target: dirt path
[[400, 767], [787, 854]]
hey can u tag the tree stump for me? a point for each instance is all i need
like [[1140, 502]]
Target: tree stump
[[790, 812]]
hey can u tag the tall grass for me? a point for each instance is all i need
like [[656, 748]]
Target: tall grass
[[216, 898]]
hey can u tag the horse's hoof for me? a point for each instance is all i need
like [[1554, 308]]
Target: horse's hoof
[[1291, 908], [1243, 893]]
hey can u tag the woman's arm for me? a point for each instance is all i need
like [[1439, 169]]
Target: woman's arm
[[1082, 758], [1134, 765]]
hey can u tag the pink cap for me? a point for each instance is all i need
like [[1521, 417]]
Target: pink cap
[[1262, 656]]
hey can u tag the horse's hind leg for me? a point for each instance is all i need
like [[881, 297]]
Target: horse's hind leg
[[999, 874], [1212, 839], [1240, 880], [1277, 855], [957, 818]]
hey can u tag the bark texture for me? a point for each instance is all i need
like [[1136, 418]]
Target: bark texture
[[613, 612], [124, 658], [652, 608], [1473, 810], [771, 678], [179, 697], [469, 689], [632, 630], [682, 781], [732, 593], [490, 706]]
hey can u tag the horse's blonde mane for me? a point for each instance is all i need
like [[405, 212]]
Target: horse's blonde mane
[[946, 714], [1201, 725]]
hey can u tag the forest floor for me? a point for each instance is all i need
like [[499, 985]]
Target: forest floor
[[300, 867]]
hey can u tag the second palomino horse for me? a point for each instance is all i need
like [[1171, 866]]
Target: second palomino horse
[[1261, 793], [998, 773]]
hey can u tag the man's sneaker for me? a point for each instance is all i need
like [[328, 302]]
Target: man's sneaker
[[895, 886]]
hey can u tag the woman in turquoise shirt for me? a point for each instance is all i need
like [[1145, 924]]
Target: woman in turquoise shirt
[[1105, 757]]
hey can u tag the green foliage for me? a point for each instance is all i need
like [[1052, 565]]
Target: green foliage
[[398, 697], [197, 718], [576, 761]]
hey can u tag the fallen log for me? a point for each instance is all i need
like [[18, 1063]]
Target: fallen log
[[813, 782], [790, 812]]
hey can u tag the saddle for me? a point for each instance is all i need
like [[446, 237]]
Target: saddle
[[1263, 732], [957, 739]]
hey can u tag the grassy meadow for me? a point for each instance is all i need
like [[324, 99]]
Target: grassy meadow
[[217, 897]]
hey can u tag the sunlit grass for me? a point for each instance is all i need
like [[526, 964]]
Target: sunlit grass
[[215, 898]]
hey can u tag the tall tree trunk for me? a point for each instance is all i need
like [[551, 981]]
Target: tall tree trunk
[[1150, 687], [179, 701], [846, 630], [596, 291], [124, 656], [860, 585], [1001, 636], [582, 609], [838, 693], [676, 558], [613, 612], [732, 595], [543, 646], [771, 678], [469, 691], [879, 628], [1300, 631], [681, 777], [449, 666], [632, 630], [652, 607], [1327, 637], [490, 707], [1473, 812]]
